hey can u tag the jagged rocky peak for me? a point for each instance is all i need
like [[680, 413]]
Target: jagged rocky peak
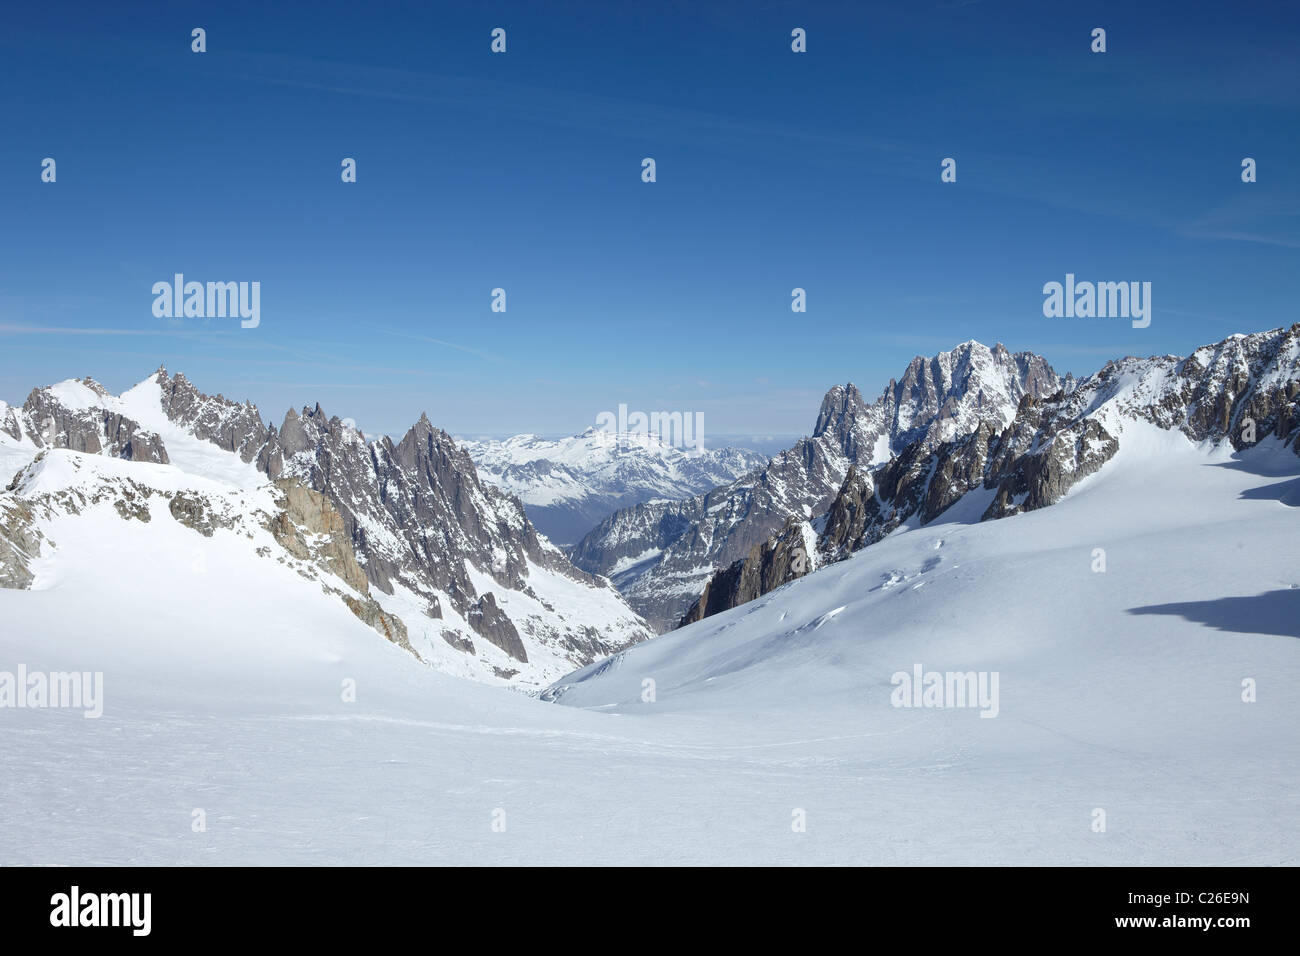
[[948, 394], [680, 545], [938, 398], [421, 520], [841, 402], [233, 426], [1241, 391], [426, 444], [842, 409], [296, 435]]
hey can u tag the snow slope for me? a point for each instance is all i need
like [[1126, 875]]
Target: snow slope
[[1120, 691]]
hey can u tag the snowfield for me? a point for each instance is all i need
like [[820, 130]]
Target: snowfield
[[1118, 691]]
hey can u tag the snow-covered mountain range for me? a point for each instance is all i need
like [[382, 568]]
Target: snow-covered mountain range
[[403, 534], [1145, 712], [1237, 391], [568, 485], [662, 554]]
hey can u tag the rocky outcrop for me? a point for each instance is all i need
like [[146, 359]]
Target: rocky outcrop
[[193, 511], [1034, 467], [132, 502], [389, 625], [462, 644], [768, 565], [20, 542], [309, 514], [491, 623], [308, 527]]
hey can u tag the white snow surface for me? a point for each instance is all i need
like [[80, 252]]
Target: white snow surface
[[1118, 690]]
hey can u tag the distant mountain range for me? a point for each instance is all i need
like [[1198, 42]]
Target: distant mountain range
[[568, 485]]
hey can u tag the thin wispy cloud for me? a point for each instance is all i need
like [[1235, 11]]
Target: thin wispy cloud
[[12, 329], [1228, 235], [487, 356]]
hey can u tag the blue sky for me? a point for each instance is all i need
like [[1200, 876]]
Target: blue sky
[[522, 171]]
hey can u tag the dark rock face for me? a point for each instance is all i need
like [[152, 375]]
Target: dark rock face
[[768, 565], [490, 622], [846, 521], [134, 443], [923, 480], [938, 399]]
